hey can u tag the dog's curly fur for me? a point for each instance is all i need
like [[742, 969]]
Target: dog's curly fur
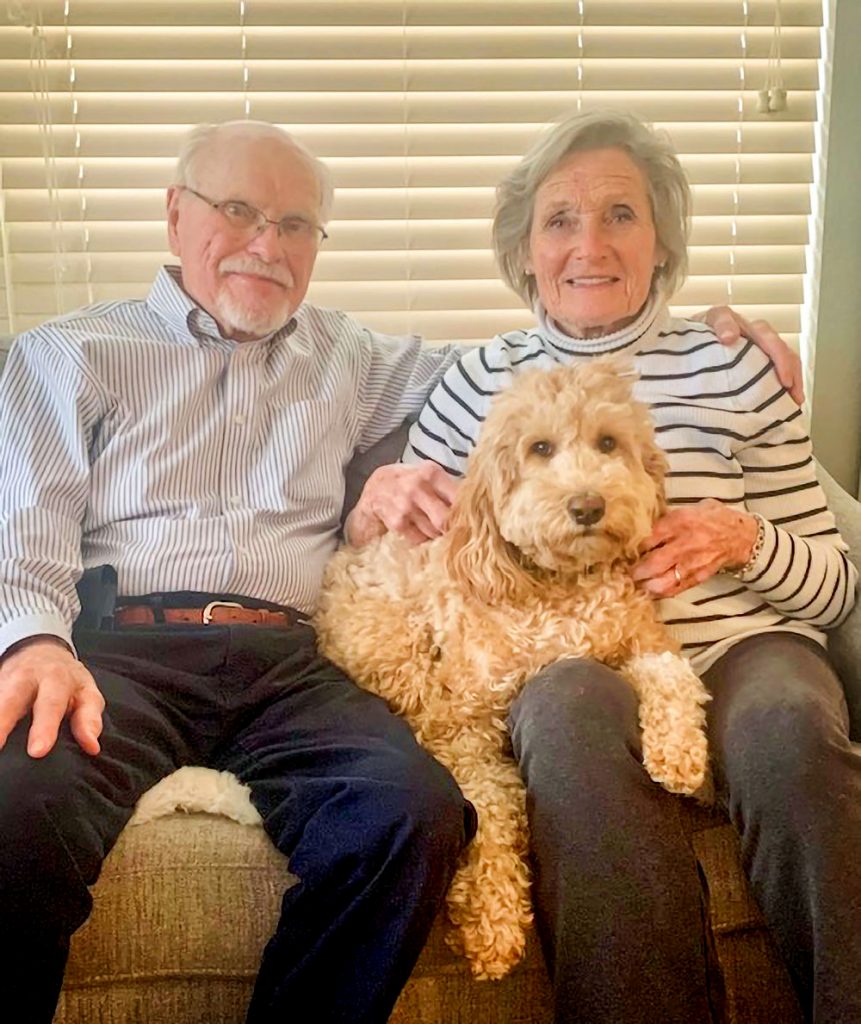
[[448, 632]]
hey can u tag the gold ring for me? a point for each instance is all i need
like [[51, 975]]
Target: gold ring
[[678, 575]]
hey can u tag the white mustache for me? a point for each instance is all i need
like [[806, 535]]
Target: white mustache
[[250, 265]]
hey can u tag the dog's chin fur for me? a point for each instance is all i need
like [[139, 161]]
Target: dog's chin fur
[[586, 549], [449, 632], [534, 520]]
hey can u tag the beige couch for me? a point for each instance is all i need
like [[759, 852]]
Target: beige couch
[[149, 955]]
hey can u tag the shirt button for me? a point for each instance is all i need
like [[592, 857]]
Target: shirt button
[[235, 499], [239, 420]]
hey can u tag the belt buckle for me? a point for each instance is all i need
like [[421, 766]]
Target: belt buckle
[[206, 614]]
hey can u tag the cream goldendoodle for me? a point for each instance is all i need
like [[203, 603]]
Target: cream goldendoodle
[[562, 488]]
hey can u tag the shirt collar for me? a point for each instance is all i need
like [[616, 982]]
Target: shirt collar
[[191, 323]]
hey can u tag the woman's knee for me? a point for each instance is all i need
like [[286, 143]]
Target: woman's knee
[[787, 738], [778, 728], [578, 706]]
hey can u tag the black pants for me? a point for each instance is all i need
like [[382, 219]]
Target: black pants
[[372, 825], [617, 893]]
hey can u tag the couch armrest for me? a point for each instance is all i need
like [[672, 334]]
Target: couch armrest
[[844, 643]]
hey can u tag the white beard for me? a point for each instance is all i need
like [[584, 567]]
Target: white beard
[[239, 318]]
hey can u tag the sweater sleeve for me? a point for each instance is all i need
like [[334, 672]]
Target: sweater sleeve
[[48, 407], [802, 569]]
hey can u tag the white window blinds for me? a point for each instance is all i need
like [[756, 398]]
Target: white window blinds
[[419, 107]]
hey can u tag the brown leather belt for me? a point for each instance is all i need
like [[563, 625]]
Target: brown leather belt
[[216, 613]]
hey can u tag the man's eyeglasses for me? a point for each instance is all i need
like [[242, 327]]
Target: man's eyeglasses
[[244, 217]]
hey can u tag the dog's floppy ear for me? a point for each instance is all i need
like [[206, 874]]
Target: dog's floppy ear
[[478, 558]]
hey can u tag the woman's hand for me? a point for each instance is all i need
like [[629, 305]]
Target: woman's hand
[[688, 545], [413, 501], [729, 326]]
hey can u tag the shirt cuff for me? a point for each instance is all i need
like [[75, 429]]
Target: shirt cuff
[[34, 625], [757, 573]]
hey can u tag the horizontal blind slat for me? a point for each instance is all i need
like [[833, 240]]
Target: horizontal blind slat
[[392, 75], [332, 140], [122, 108], [447, 12], [324, 42], [389, 171]]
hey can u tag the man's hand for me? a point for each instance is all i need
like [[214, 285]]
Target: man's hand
[[691, 543], [729, 326], [413, 501], [44, 676]]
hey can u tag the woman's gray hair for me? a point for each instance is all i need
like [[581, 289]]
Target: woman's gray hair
[[654, 154], [200, 141]]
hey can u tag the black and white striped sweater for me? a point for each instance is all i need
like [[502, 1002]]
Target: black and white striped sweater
[[730, 431]]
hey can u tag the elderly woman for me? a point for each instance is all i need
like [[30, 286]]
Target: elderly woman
[[590, 230]]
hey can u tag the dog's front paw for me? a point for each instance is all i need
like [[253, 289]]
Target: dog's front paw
[[672, 719], [678, 763]]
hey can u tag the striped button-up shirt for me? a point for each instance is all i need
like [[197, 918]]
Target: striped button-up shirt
[[133, 434]]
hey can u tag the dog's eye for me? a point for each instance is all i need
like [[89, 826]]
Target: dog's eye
[[606, 443], [542, 448]]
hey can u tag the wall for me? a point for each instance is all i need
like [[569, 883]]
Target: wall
[[836, 398]]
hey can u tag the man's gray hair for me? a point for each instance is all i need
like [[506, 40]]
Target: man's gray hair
[[200, 141], [654, 154]]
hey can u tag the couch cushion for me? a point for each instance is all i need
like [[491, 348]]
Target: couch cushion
[[183, 909]]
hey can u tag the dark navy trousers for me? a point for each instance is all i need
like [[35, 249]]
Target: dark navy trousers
[[373, 826]]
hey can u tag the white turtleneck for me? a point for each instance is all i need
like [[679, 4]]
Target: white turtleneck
[[730, 431]]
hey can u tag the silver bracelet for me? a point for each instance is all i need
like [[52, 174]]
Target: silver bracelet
[[742, 570]]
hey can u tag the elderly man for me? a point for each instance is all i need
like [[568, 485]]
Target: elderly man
[[196, 441]]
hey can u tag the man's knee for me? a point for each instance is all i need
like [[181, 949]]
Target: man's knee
[[43, 882], [27, 781], [412, 810], [436, 811]]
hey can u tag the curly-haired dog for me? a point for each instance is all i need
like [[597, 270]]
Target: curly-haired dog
[[562, 488]]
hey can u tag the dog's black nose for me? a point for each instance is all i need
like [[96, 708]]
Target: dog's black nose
[[586, 509]]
